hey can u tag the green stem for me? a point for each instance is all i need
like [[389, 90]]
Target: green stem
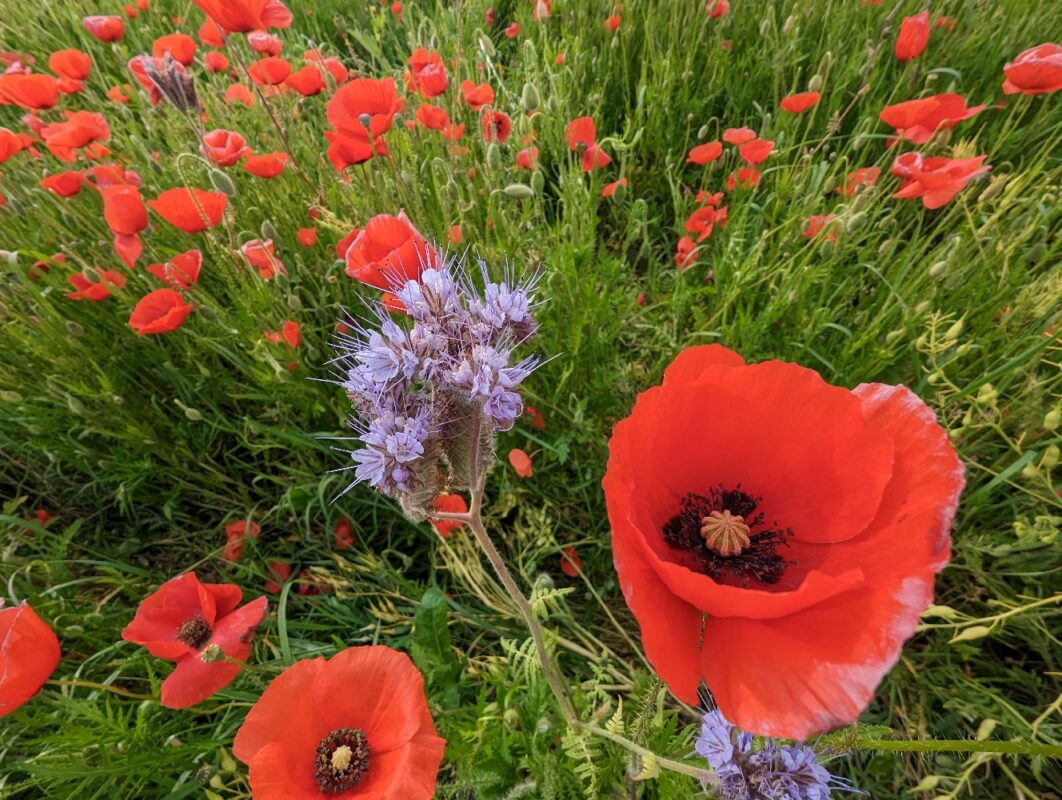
[[959, 746]]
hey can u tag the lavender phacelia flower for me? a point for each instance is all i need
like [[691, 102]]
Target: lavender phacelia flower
[[771, 771], [431, 393]]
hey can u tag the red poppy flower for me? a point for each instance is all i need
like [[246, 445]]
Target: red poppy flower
[[377, 742], [935, 180], [817, 223], [289, 333], [123, 210], [613, 22], [99, 289], [264, 43], [345, 150], [269, 71], [913, 37], [1036, 71], [343, 245], [744, 178], [307, 237], [738, 136], [448, 504], [119, 94], [179, 45], [181, 271], [262, 256], [703, 221], [581, 131], [717, 8], [343, 533], [32, 91], [432, 117], [610, 188], [29, 654], [454, 235], [307, 81], [685, 253], [10, 143], [521, 462], [513, 30], [387, 252], [215, 61], [210, 34], [705, 153], [191, 210], [454, 133], [594, 157], [756, 151], [72, 64], [783, 547], [236, 534], [426, 74], [279, 572], [917, 120], [244, 16], [801, 101], [160, 311], [238, 93], [527, 158], [330, 64], [106, 29], [863, 176], [198, 626], [266, 165], [364, 107], [63, 184], [570, 563], [496, 126], [477, 96], [78, 130]]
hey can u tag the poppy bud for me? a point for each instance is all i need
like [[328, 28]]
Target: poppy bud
[[192, 414], [530, 54], [1036, 253], [75, 406], [552, 105], [433, 42], [942, 137], [1052, 419], [487, 46], [493, 155], [620, 193], [519, 191], [995, 188], [10, 397], [815, 84], [765, 26], [826, 248], [856, 222], [829, 185], [512, 718], [1031, 470], [895, 335], [268, 231], [529, 98], [885, 248], [789, 24], [858, 142], [922, 307], [222, 182], [74, 328], [294, 303], [538, 182], [703, 131], [938, 269]]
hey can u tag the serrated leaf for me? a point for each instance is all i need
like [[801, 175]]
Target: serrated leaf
[[431, 648]]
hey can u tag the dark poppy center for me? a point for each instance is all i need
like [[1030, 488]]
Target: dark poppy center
[[194, 632], [341, 761], [726, 538]]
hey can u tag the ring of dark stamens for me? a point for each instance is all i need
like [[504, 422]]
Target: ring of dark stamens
[[332, 780], [194, 632], [758, 561]]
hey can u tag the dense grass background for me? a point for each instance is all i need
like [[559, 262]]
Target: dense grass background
[[144, 448]]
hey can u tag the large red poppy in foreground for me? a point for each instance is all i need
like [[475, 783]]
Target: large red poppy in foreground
[[356, 726], [29, 653], [778, 536]]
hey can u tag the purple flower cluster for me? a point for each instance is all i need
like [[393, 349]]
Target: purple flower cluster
[[772, 771], [429, 393]]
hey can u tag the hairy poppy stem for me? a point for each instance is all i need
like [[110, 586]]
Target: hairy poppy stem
[[960, 746]]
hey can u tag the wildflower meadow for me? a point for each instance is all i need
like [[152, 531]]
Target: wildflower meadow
[[545, 399]]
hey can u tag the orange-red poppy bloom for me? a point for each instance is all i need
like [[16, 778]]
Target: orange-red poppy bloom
[[63, 184], [79, 129], [738, 136], [95, 290], [262, 256], [513, 30], [935, 180], [570, 563], [610, 188], [215, 61], [580, 131], [72, 64], [754, 152], [426, 74], [454, 235], [198, 626], [863, 176], [266, 165], [289, 333], [704, 219], [744, 178], [705, 153], [330, 64], [520, 462], [160, 311], [783, 547], [224, 148], [343, 533], [307, 81], [270, 71], [477, 96], [181, 271], [594, 157], [535, 417], [32, 91], [527, 158], [432, 117], [244, 16], [307, 236], [191, 210], [1036, 71], [29, 654], [265, 43], [613, 22], [387, 252], [210, 34], [377, 742], [685, 253], [801, 101], [238, 93], [106, 29], [817, 223], [913, 37], [542, 10], [917, 120], [448, 504], [717, 8], [10, 143], [496, 125], [364, 107], [236, 534], [179, 45]]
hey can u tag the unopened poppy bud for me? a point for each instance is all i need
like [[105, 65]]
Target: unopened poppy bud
[[922, 307], [75, 406], [954, 331], [942, 137], [216, 782], [519, 191], [222, 182], [858, 142], [529, 98], [765, 26], [938, 269], [268, 231], [433, 42], [74, 328], [826, 248], [856, 222], [620, 193], [894, 335], [9, 396], [703, 131], [829, 185], [294, 303], [1052, 419], [228, 763], [789, 24], [1036, 253], [815, 84], [487, 46], [530, 54], [538, 182], [552, 105], [995, 188], [493, 155], [1050, 458], [885, 248]]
